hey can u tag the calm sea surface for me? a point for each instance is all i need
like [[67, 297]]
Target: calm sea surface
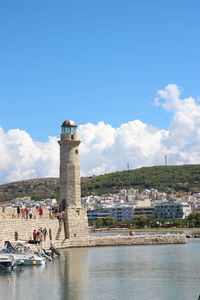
[[165, 272]]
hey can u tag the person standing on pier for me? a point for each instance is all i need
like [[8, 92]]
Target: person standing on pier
[[18, 211], [44, 233], [26, 211], [40, 211], [34, 235]]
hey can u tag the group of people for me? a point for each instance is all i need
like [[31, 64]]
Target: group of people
[[27, 212], [40, 235], [54, 211]]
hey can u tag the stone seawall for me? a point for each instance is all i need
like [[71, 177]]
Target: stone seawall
[[22, 229], [14, 228], [10, 212], [120, 240]]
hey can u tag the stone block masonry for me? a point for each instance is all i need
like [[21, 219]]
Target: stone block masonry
[[77, 223], [121, 240], [10, 212], [22, 229], [75, 216]]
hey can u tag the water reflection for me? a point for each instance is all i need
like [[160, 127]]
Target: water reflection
[[62, 279], [73, 272], [163, 272]]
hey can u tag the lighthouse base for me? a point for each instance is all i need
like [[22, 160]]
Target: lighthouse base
[[75, 223]]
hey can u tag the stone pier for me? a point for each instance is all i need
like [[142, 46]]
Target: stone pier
[[121, 240], [18, 229]]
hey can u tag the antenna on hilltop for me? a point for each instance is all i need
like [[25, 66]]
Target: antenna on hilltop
[[128, 167], [165, 160]]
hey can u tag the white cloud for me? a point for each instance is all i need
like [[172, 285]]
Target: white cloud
[[143, 145], [105, 149], [23, 158], [183, 140], [133, 142]]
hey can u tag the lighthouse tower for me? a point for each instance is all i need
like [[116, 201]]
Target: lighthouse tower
[[74, 215]]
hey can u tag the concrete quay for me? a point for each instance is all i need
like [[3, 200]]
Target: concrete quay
[[118, 240]]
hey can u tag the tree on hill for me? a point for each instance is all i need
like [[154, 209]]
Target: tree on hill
[[184, 178], [170, 179]]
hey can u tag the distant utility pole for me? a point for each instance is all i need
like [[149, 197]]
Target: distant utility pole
[[165, 160], [128, 167]]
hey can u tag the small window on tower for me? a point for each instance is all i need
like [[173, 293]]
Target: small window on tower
[[76, 151]]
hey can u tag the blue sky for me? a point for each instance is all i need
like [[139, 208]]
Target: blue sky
[[94, 60]]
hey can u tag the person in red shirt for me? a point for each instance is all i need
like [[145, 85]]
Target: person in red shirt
[[40, 211], [26, 211], [34, 235]]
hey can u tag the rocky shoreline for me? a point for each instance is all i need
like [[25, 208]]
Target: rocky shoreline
[[195, 235]]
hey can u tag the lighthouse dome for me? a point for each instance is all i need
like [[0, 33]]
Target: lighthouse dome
[[69, 127], [68, 123]]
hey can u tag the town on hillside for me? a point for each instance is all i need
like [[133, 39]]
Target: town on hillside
[[128, 204]]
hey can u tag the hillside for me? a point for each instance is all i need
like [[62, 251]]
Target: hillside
[[35, 188], [39, 188], [185, 178]]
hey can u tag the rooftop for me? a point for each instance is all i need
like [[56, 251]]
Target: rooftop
[[68, 123]]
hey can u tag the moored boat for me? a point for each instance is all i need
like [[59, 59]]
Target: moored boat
[[28, 259], [19, 254], [6, 262]]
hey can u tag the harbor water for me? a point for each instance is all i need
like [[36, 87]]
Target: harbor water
[[162, 272]]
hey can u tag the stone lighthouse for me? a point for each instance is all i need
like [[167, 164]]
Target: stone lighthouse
[[74, 215]]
